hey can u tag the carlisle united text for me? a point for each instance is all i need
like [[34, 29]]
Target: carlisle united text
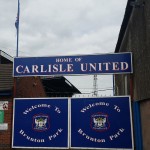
[[60, 68]]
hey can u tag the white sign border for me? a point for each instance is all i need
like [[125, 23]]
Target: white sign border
[[132, 137], [37, 147], [79, 74]]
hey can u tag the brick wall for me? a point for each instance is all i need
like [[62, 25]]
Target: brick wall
[[26, 87], [5, 136], [29, 87]]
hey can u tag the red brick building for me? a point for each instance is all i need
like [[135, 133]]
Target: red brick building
[[6, 94], [26, 87]]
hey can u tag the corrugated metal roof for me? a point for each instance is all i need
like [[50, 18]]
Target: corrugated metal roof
[[6, 79], [59, 87]]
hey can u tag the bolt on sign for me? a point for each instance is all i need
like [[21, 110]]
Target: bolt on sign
[[3, 105], [103, 123], [73, 65], [40, 123], [1, 116], [3, 126]]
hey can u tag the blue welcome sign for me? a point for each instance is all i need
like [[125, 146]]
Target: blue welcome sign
[[40, 123], [101, 123], [73, 65]]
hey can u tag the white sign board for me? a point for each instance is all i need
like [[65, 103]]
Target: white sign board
[[3, 105], [3, 126]]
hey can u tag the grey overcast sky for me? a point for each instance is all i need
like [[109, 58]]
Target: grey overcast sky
[[63, 27]]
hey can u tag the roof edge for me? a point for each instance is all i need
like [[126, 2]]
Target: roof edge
[[2, 53], [124, 25]]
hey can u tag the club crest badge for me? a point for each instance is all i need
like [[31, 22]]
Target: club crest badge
[[99, 122], [41, 122]]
